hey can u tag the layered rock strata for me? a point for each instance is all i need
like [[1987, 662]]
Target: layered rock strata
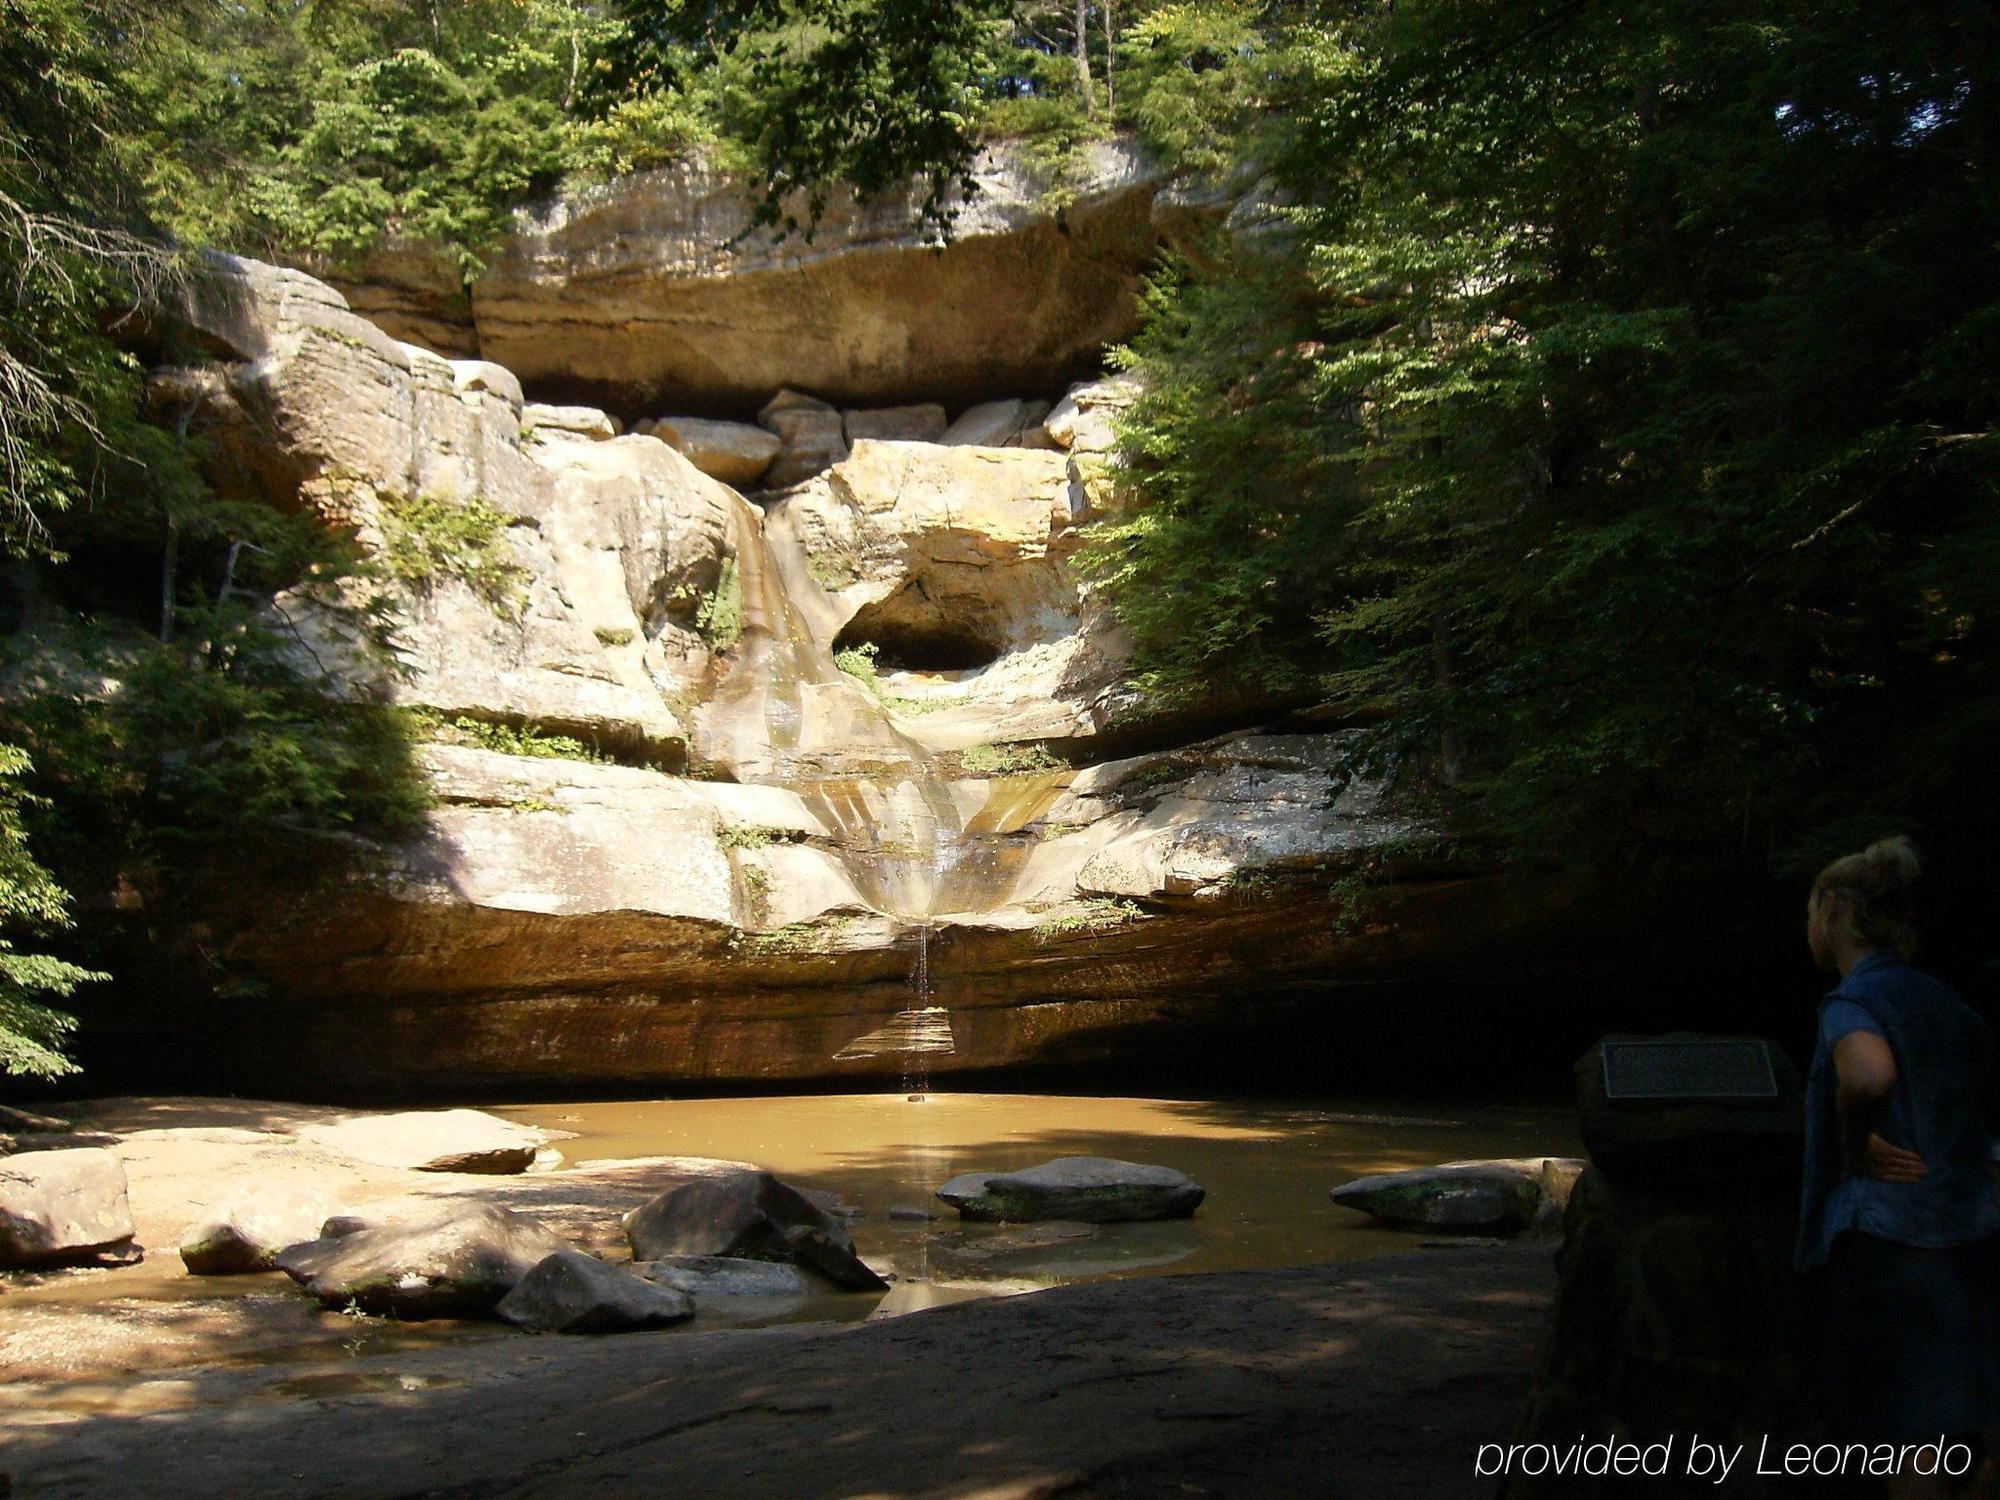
[[850, 734], [647, 294]]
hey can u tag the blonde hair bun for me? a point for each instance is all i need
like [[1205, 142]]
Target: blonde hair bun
[[1880, 882]]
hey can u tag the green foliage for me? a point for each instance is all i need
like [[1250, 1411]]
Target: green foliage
[[867, 93], [1092, 914], [1194, 76], [166, 700], [795, 939], [328, 128], [503, 739], [325, 130], [1006, 760], [1220, 572], [31, 1033], [720, 615], [215, 738], [859, 662], [71, 256], [428, 537], [833, 571], [1605, 407]]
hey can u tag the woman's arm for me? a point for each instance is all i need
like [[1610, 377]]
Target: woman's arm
[[1865, 1069]]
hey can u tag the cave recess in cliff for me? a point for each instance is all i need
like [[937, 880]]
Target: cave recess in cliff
[[905, 646]]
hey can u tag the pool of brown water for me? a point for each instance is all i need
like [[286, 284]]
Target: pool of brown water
[[1266, 1166]]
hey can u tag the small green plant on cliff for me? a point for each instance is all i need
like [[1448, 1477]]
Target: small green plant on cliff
[[746, 836], [720, 617], [611, 637], [426, 538], [503, 739], [858, 662], [833, 571], [795, 939], [1149, 779], [1007, 760], [1094, 914]]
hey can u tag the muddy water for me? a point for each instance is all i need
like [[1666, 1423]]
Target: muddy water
[[1267, 1166]]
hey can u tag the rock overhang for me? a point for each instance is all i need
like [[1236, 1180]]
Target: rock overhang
[[646, 294]]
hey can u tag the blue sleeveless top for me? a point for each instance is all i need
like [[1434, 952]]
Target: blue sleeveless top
[[1937, 1110]]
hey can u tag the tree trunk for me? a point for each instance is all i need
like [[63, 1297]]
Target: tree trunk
[[1451, 743], [1110, 61], [1083, 58], [170, 543]]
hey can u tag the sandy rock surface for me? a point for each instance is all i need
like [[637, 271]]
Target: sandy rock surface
[[434, 1140], [1373, 1380]]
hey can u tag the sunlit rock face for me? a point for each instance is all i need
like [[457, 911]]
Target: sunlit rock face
[[607, 544], [644, 295], [864, 795]]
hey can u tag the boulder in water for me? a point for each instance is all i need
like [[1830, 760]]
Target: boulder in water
[[458, 1263], [249, 1228], [748, 1214], [571, 1292], [64, 1207], [728, 1276], [1470, 1197], [1087, 1189]]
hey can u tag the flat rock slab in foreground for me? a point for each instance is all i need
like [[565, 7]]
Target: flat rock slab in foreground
[[454, 1264], [1475, 1197], [1375, 1381], [433, 1140], [1085, 1189], [63, 1206]]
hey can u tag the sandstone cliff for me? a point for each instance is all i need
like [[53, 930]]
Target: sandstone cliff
[[855, 774], [646, 294]]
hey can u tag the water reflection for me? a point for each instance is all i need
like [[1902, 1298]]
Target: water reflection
[[1267, 1166]]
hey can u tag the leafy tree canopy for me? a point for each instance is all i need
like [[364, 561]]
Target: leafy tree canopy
[[1606, 398]]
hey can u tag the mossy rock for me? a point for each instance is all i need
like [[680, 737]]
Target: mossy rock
[[1083, 1189]]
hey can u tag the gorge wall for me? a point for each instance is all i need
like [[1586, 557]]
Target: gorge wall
[[855, 719], [644, 294]]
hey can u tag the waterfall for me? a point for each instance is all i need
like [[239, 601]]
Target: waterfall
[[785, 715]]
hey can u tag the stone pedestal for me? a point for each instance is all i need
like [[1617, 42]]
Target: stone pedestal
[[1678, 1312]]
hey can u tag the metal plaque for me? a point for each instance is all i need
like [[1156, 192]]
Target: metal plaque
[[1689, 1070]]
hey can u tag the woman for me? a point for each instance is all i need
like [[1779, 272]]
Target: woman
[[1898, 1202]]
